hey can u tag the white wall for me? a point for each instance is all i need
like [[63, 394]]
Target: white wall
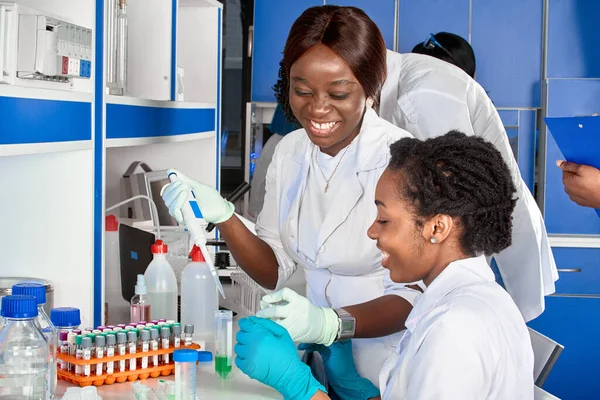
[[46, 217]]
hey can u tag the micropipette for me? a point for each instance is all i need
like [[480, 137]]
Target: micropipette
[[196, 225]]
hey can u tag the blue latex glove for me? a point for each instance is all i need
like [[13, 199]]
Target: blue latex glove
[[266, 352], [341, 371]]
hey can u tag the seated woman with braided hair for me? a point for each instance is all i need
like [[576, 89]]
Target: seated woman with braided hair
[[442, 205]]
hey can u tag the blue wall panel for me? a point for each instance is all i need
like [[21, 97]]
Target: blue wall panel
[[39, 121], [527, 144], [574, 323], [509, 117], [573, 39], [567, 97], [272, 22], [507, 40], [418, 18], [380, 11]]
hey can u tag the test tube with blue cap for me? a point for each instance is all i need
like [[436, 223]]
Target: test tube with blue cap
[[196, 225], [223, 342]]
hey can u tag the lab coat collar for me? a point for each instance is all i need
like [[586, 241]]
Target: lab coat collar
[[457, 274], [369, 137]]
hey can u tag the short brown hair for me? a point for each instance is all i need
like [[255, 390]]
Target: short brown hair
[[350, 33]]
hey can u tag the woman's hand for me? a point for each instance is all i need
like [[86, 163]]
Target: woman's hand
[[305, 322], [341, 371], [213, 207], [265, 352]]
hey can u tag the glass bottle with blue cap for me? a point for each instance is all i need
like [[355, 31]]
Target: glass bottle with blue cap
[[22, 376], [38, 290], [65, 318]]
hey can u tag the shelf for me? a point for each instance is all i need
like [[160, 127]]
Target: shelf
[[585, 241], [44, 121], [200, 3], [136, 122]]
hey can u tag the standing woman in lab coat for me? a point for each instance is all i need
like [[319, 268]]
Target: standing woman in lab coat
[[320, 190], [442, 205], [429, 97]]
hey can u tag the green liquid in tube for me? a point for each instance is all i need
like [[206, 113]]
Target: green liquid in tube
[[222, 366]]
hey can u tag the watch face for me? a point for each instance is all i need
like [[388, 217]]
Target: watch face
[[348, 325]]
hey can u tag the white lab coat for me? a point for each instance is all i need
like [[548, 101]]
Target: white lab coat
[[429, 97], [465, 339], [347, 267]]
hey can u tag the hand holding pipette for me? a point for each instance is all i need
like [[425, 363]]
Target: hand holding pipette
[[185, 199]]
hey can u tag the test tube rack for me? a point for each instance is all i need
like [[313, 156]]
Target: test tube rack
[[119, 377], [247, 293]]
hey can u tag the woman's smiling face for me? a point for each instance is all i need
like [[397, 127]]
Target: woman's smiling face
[[326, 98]]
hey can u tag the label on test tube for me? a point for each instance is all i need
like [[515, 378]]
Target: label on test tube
[[176, 336], [154, 345], [64, 349], [86, 344], [110, 352], [122, 349], [78, 353], [132, 340], [189, 332], [145, 337], [165, 333], [100, 343]]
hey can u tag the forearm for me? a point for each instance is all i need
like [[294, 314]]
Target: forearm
[[320, 396], [253, 254], [380, 317]]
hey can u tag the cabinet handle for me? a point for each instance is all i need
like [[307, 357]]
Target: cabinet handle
[[568, 269], [250, 40]]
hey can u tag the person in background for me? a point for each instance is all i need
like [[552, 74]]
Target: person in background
[[442, 205], [279, 127], [450, 48], [429, 97], [320, 188], [582, 183]]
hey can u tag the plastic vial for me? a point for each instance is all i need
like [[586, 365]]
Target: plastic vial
[[86, 351], [121, 55], [100, 350], [111, 341], [165, 334], [154, 345], [122, 349], [161, 283], [145, 336], [63, 342], [176, 329], [132, 347], [38, 291], [223, 342], [79, 354], [71, 337], [185, 374], [189, 332], [199, 297], [65, 318], [22, 376], [140, 304]]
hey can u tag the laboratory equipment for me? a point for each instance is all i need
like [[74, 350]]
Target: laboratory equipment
[[65, 319], [140, 304], [246, 292], [188, 331], [86, 393], [196, 226], [161, 283], [86, 354], [165, 334], [42, 47], [185, 374], [63, 343], [111, 341], [199, 298], [122, 349], [38, 291], [6, 284], [176, 329], [111, 42], [223, 342], [132, 346], [145, 346], [100, 350], [120, 87], [22, 376], [154, 345]]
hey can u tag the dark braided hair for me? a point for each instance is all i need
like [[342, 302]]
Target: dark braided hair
[[461, 176]]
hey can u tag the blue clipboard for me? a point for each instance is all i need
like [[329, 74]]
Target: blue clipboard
[[578, 138]]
